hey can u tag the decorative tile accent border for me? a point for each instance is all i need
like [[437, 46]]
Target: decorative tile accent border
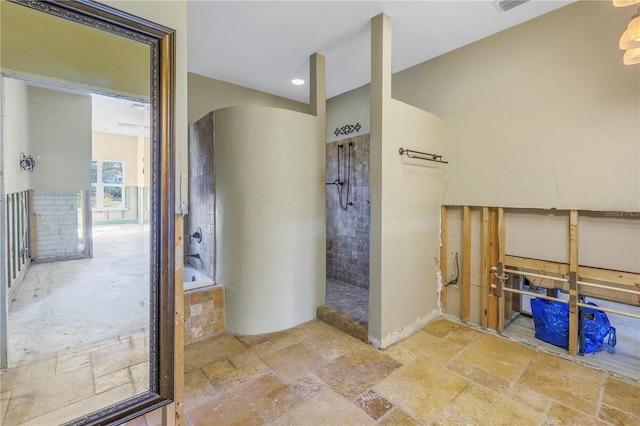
[[347, 129]]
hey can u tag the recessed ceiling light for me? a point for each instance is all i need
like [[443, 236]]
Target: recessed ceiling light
[[297, 82]]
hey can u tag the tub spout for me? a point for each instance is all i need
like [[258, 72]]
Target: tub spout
[[196, 255]]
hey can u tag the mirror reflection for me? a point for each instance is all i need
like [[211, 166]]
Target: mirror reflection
[[76, 210]]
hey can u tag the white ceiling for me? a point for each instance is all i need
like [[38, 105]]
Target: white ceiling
[[264, 44], [119, 116]]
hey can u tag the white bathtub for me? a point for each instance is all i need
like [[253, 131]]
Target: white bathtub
[[194, 279]]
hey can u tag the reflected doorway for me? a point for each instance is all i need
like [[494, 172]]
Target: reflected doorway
[[78, 253]]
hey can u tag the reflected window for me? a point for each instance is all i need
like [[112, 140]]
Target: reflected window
[[107, 184]]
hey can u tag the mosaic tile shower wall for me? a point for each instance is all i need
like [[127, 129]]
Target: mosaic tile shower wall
[[348, 230], [201, 195]]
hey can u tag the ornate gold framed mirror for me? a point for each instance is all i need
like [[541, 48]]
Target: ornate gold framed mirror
[[87, 292]]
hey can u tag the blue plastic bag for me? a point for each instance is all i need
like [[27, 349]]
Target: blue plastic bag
[[596, 326], [551, 321]]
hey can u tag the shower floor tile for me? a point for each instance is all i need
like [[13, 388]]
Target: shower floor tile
[[348, 299]]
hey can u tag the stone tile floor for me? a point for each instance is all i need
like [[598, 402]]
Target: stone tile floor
[[445, 374], [60, 387], [347, 298]]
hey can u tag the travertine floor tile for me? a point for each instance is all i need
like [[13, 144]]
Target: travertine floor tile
[[211, 350], [568, 368], [529, 397], [18, 377], [482, 406], [250, 341], [421, 388], [562, 415], [441, 327], [332, 343], [4, 404], [448, 419], [498, 356], [64, 414], [293, 362], [617, 417], [433, 348], [351, 374], [229, 381], [120, 356], [41, 397], [447, 374], [622, 395], [327, 409], [400, 354], [140, 375], [560, 381], [308, 386], [479, 376], [254, 353], [65, 365], [373, 404], [264, 400], [218, 368], [397, 417], [463, 336], [197, 390], [112, 380]]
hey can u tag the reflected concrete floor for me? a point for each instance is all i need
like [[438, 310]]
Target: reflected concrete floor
[[445, 374], [78, 331]]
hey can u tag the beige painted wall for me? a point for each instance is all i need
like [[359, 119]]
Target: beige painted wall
[[15, 134], [349, 108], [172, 14], [107, 146], [542, 115], [411, 192], [123, 80], [405, 205], [270, 217], [37, 44], [60, 133], [208, 94]]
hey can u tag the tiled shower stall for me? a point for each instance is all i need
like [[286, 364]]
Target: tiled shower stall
[[201, 198], [348, 229]]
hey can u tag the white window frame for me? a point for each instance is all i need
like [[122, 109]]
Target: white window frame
[[99, 185]]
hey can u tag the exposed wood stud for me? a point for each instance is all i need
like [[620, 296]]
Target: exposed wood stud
[[466, 264], [493, 261], [486, 270], [501, 255], [573, 285], [443, 255], [177, 415]]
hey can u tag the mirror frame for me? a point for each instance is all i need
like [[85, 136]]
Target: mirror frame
[[161, 41]]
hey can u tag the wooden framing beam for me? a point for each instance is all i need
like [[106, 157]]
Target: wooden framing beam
[[501, 254], [444, 235], [573, 284], [176, 414], [493, 260], [619, 279], [485, 270], [466, 264]]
